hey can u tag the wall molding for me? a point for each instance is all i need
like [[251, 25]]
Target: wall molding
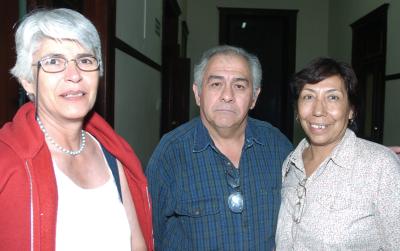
[[121, 45]]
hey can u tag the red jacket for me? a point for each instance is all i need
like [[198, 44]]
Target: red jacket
[[28, 190]]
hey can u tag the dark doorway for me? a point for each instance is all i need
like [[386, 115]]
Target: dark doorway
[[8, 85], [175, 70], [271, 35], [369, 59]]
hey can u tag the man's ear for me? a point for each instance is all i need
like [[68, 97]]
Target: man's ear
[[29, 87], [255, 97], [196, 92]]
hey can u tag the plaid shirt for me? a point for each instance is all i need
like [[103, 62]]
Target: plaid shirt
[[189, 189]]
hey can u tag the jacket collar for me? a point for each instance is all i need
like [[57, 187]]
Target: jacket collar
[[23, 134]]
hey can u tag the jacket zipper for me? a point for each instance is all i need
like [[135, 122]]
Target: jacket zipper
[[149, 211], [148, 197], [31, 203]]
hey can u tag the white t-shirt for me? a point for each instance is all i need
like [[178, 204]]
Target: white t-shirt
[[90, 219]]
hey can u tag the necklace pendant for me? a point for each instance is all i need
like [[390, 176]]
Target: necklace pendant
[[235, 202]]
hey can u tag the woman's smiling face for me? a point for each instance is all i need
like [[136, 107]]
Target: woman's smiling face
[[324, 111], [69, 94]]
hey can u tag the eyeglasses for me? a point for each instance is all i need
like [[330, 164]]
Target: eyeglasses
[[54, 64], [235, 199], [301, 196]]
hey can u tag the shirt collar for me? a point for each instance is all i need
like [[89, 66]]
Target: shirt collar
[[341, 154], [253, 135], [202, 138], [344, 152], [296, 157]]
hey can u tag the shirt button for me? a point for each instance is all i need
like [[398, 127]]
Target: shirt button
[[197, 212], [228, 163]]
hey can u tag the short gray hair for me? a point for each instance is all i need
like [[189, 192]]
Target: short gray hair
[[252, 60], [58, 24]]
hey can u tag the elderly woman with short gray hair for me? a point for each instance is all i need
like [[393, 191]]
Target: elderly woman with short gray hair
[[67, 180]]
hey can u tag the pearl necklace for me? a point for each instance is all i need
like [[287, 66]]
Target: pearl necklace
[[60, 148]]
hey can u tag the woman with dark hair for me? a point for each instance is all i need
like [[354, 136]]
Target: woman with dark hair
[[67, 180], [339, 192]]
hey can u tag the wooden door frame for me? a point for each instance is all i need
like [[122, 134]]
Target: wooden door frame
[[289, 60], [170, 57], [171, 12], [362, 60], [102, 14], [9, 85]]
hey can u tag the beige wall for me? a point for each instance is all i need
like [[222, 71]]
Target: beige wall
[[135, 25], [392, 115], [137, 104], [137, 85]]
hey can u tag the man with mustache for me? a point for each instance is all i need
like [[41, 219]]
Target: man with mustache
[[215, 181]]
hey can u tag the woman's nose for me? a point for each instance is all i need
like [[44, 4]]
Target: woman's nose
[[72, 72], [319, 108]]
